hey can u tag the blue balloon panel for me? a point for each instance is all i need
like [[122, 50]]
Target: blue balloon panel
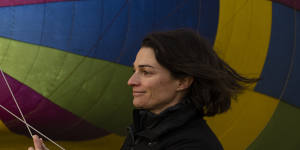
[[279, 74], [109, 30], [292, 93]]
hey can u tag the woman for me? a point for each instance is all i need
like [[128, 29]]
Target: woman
[[178, 79]]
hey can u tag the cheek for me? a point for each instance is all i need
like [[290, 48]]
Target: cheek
[[154, 89], [163, 89], [158, 91]]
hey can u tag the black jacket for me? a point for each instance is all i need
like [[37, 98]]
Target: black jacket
[[180, 127]]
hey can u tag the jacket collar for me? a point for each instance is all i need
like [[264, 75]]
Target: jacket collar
[[151, 126]]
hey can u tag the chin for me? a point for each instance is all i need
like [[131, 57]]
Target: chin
[[138, 103]]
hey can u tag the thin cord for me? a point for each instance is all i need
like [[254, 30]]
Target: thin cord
[[24, 120], [292, 57], [28, 125], [12, 94]]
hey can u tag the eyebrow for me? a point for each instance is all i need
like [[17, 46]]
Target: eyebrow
[[144, 66]]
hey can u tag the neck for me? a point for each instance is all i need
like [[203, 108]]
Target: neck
[[175, 101]]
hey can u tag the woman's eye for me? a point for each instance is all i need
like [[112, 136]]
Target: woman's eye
[[146, 72]]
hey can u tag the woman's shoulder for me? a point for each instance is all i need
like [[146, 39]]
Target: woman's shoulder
[[194, 134]]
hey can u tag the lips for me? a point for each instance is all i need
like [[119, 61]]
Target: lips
[[138, 93]]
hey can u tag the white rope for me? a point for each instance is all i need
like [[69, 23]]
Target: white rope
[[31, 127], [24, 121], [13, 96]]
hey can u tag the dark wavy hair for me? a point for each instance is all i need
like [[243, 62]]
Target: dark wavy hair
[[185, 53]]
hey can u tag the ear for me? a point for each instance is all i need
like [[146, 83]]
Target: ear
[[185, 83]]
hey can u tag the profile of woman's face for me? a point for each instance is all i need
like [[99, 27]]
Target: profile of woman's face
[[153, 87]]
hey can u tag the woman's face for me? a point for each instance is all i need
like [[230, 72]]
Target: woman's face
[[153, 87]]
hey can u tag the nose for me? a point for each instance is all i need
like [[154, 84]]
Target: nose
[[133, 80]]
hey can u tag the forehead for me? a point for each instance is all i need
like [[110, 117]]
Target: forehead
[[146, 56]]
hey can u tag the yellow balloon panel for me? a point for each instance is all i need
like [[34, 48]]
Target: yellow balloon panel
[[3, 127], [243, 34], [240, 126], [110, 142], [12, 141], [242, 41]]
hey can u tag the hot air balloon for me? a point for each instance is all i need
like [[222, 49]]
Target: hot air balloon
[[67, 63]]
